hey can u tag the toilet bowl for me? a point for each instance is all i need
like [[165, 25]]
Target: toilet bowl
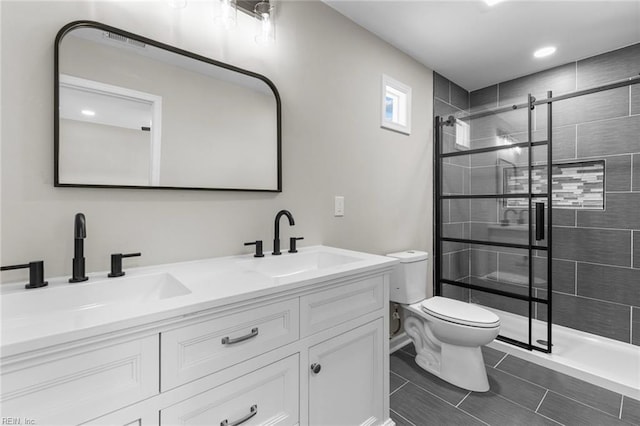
[[446, 333]]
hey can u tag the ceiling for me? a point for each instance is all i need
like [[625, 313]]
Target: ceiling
[[476, 45]]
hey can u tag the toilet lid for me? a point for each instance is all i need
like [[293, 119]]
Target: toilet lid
[[460, 312]]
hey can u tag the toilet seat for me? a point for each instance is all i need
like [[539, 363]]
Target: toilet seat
[[460, 312]]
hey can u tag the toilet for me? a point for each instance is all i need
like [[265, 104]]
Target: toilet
[[447, 333]]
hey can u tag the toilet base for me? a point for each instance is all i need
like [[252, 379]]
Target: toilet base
[[462, 366]]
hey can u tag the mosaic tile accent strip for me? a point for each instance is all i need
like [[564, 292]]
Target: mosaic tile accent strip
[[575, 185]]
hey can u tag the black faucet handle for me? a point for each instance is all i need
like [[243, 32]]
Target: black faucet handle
[[292, 244], [116, 263], [258, 244], [36, 273]]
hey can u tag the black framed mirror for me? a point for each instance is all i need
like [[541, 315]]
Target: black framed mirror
[[131, 112]]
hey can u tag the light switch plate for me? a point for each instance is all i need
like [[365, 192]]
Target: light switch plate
[[338, 206]]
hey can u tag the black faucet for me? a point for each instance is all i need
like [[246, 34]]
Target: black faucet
[[79, 234], [276, 238]]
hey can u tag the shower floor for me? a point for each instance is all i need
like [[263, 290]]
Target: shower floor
[[604, 362], [522, 393]]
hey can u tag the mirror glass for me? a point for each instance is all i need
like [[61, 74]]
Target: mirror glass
[[132, 112]]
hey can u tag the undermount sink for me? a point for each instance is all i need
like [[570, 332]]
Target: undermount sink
[[90, 295], [291, 264]]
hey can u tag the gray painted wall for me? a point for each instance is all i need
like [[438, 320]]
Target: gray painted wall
[[328, 71], [596, 252]]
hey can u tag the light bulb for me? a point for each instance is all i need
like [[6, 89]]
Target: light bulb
[[225, 13], [264, 12]]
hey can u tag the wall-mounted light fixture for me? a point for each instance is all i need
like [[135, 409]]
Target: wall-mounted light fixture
[[267, 32], [263, 11], [225, 12]]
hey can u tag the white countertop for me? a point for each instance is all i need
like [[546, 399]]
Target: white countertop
[[32, 319]]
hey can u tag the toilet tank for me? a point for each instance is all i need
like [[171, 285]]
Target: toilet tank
[[409, 279]]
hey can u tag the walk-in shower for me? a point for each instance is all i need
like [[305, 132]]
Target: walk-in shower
[[492, 204], [567, 294]]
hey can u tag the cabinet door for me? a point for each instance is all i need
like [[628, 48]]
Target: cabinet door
[[346, 378]]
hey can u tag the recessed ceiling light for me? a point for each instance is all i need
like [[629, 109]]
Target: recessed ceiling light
[[177, 4], [493, 2], [545, 51], [88, 112]]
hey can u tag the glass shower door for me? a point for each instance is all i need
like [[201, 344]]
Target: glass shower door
[[492, 198]]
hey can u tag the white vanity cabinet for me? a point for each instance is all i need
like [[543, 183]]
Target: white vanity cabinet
[[309, 354], [340, 358]]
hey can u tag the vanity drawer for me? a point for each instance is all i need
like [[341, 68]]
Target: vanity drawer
[[207, 346], [265, 396], [325, 309], [80, 385]]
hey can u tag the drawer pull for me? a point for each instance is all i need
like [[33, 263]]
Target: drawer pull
[[229, 341], [315, 367], [253, 412]]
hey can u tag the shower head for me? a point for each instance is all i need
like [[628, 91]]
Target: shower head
[[450, 121]]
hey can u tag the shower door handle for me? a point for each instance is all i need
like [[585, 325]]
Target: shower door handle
[[539, 221]]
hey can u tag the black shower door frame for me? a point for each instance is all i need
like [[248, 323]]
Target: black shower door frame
[[439, 197], [529, 195]]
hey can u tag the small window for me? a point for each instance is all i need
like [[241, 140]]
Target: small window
[[396, 105]]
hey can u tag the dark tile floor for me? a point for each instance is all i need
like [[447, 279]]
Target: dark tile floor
[[522, 393]]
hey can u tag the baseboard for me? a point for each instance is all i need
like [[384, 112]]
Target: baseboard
[[398, 342]]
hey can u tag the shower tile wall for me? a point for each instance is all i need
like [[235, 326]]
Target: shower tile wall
[[596, 252]]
